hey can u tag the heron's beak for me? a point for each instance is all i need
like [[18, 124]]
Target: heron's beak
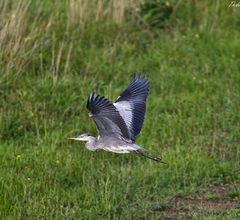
[[73, 138]]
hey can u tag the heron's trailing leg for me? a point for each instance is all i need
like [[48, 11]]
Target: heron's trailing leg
[[149, 157]]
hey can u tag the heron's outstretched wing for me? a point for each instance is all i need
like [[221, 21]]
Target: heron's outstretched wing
[[131, 105], [106, 117]]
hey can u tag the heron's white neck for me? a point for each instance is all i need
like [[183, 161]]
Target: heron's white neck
[[91, 143]]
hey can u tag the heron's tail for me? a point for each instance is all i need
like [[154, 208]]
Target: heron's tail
[[149, 157]]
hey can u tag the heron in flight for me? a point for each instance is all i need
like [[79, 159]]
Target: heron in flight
[[118, 123]]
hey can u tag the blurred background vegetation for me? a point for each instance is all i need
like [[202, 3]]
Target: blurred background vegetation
[[54, 53]]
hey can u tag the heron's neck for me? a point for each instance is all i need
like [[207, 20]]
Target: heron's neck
[[90, 139], [91, 143]]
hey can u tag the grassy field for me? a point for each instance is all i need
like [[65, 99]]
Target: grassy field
[[54, 53]]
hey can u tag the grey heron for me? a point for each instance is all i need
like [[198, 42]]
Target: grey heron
[[118, 123]]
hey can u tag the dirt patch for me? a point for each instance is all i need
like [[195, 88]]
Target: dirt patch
[[206, 204], [219, 191], [212, 200]]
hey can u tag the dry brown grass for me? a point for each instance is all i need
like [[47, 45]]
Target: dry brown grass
[[18, 36], [84, 12], [21, 35]]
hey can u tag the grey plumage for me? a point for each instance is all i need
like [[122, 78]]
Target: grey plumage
[[118, 123]]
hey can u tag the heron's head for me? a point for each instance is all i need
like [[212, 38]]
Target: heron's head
[[81, 137]]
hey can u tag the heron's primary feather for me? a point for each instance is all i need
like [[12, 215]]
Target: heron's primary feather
[[106, 117], [131, 105]]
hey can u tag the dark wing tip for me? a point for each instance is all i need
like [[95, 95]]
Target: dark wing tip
[[90, 100], [139, 77], [140, 81], [95, 102], [139, 86]]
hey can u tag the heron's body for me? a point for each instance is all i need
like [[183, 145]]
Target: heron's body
[[112, 144], [118, 123]]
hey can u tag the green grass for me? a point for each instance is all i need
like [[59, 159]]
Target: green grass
[[47, 69]]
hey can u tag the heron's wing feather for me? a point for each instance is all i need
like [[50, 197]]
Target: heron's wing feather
[[131, 105], [106, 117]]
